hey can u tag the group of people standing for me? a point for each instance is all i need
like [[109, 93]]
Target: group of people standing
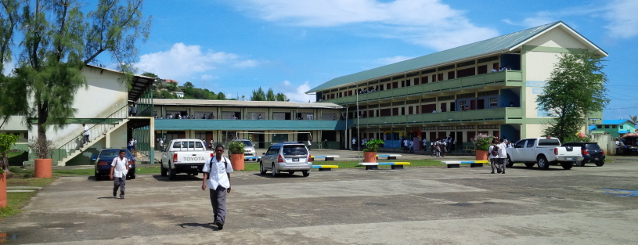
[[497, 155]]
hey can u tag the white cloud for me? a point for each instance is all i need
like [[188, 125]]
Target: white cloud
[[183, 61], [421, 22], [207, 77], [392, 60], [623, 18], [297, 94], [620, 15]]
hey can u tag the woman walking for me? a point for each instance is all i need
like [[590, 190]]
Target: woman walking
[[493, 157]]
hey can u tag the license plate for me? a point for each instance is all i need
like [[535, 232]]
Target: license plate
[[193, 166], [596, 159], [571, 158], [295, 159]]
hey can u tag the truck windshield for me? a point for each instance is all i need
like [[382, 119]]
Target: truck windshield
[[548, 142], [247, 143]]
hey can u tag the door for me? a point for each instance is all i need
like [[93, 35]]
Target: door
[[441, 135], [516, 153], [481, 104], [472, 104], [529, 152]]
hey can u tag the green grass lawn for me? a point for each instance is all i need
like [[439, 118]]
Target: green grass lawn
[[143, 169], [17, 200]]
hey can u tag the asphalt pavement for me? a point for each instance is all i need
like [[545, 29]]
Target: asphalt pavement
[[417, 205]]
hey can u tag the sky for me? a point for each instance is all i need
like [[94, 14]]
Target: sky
[[291, 46]]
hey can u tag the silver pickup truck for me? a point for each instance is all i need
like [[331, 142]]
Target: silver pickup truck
[[184, 156], [543, 152]]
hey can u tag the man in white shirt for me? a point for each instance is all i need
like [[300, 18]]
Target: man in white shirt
[[502, 155], [217, 178], [86, 133], [119, 169]]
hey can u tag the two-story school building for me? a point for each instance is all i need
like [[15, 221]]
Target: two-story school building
[[104, 105], [264, 122], [488, 87], [616, 128]]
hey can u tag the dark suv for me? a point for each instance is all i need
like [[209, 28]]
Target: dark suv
[[591, 153]]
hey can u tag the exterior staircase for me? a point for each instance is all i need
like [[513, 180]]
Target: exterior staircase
[[76, 146]]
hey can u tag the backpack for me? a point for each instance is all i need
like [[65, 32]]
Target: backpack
[[495, 150]]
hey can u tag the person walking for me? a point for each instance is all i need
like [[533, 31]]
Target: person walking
[[502, 155], [217, 178], [161, 144], [492, 155], [443, 147], [86, 133], [411, 146], [119, 169]]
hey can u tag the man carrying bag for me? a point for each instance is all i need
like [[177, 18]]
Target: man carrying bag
[[217, 178]]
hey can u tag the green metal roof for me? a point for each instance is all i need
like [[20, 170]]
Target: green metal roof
[[497, 44]]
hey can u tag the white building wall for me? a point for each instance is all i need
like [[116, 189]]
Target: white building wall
[[104, 95]]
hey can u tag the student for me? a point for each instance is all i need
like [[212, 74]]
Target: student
[[161, 143], [119, 169], [86, 133], [217, 178], [411, 146], [491, 156], [502, 155]]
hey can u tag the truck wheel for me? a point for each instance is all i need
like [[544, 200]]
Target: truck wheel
[[529, 165], [274, 170], [542, 162], [509, 162], [305, 173], [567, 165], [172, 172], [262, 170], [600, 164], [163, 170]]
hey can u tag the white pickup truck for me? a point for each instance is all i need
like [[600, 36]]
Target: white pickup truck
[[543, 151], [184, 156]]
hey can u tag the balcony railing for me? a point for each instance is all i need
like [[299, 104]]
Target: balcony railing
[[506, 78], [494, 114]]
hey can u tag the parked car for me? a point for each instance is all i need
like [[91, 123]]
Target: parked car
[[591, 152], [249, 148], [104, 159], [543, 152], [286, 157], [184, 156]]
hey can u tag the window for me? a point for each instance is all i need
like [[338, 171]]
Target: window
[[520, 144], [493, 102], [621, 126], [599, 126], [606, 126], [613, 126], [548, 142], [530, 143]]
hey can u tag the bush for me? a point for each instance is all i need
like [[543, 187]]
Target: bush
[[483, 142], [236, 147], [373, 145]]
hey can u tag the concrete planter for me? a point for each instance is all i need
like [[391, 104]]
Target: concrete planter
[[369, 157], [3, 190], [237, 160], [481, 155], [43, 168]]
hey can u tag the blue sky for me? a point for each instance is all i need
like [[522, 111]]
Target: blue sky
[[291, 46]]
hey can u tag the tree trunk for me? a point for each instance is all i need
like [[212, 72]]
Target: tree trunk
[[5, 162]]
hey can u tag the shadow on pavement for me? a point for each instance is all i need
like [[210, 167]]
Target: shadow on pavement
[[178, 177], [206, 225], [282, 175]]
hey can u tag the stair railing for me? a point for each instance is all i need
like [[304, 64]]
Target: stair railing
[[97, 130]]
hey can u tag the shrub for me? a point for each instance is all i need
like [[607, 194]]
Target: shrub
[[373, 145], [483, 142], [236, 147]]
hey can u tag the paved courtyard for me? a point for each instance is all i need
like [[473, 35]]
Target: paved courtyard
[[418, 205]]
